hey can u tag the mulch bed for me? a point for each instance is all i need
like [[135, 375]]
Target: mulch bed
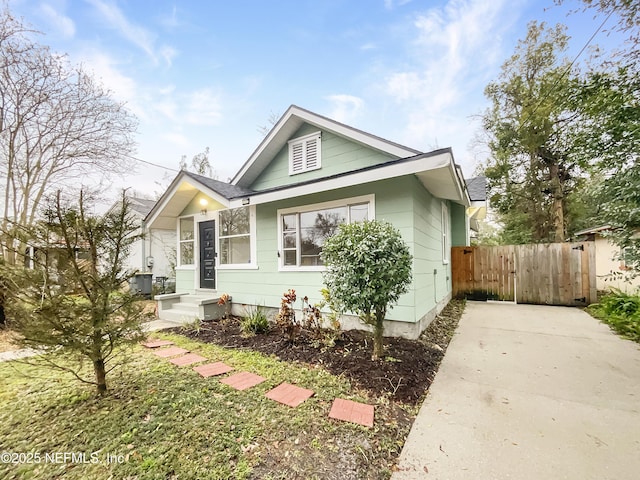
[[404, 374]]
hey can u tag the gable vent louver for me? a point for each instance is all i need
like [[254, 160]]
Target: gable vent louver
[[297, 158], [304, 153], [312, 153]]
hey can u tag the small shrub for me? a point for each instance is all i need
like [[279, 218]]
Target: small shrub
[[286, 318], [324, 328], [312, 316], [255, 321], [368, 269], [195, 325], [621, 311], [225, 301], [334, 310], [618, 302]]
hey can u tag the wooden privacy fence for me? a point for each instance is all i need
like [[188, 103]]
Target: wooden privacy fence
[[545, 274]]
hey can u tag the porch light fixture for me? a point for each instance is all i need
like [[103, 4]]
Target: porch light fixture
[[203, 204], [246, 201]]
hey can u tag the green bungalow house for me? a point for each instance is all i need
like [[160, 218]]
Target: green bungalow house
[[262, 233]]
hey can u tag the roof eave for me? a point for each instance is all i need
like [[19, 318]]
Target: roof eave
[[424, 166], [278, 137], [166, 198]]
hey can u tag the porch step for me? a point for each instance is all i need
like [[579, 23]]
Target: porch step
[[188, 307], [180, 315]]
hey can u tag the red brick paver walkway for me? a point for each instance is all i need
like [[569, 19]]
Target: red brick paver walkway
[[354, 412], [289, 394], [213, 369], [157, 343], [243, 380], [285, 393], [170, 352], [188, 359]]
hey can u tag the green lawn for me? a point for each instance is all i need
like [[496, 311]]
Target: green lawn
[[163, 421]]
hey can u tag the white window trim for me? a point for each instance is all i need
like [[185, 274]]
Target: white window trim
[[446, 233], [179, 265], [253, 249], [369, 199], [303, 140]]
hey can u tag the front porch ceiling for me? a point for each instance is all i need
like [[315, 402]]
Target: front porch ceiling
[[173, 207]]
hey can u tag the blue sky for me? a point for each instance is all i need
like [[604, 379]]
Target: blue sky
[[209, 73]]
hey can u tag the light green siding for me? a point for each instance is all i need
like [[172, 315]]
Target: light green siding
[[458, 225], [185, 281], [432, 277], [339, 155], [393, 202], [403, 201]]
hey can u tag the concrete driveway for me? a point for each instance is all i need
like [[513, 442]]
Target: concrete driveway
[[529, 392]]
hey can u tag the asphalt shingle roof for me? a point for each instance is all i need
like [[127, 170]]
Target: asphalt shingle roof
[[477, 188], [223, 188], [141, 205]]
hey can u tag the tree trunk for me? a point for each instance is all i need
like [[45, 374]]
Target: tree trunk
[[378, 330], [101, 376], [558, 203], [8, 248]]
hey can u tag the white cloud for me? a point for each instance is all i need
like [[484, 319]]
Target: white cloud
[[170, 21], [105, 68], [203, 107], [345, 108], [456, 48], [391, 4], [167, 107], [168, 54], [139, 36], [63, 24], [167, 90], [177, 138], [200, 107]]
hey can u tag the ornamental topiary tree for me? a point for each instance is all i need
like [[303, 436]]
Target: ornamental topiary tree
[[368, 268]]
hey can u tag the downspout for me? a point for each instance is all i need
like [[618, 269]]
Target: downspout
[[144, 241]]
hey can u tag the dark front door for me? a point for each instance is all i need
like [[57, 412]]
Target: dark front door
[[207, 254]]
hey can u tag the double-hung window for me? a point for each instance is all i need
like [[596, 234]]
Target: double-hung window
[[627, 259], [187, 239], [303, 230], [235, 236], [304, 153]]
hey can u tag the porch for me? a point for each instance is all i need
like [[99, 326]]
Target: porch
[[187, 307]]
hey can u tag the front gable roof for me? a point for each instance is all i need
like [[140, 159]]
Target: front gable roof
[[294, 118], [436, 170], [184, 187]]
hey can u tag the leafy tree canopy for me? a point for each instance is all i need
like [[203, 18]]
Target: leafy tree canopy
[[531, 171]]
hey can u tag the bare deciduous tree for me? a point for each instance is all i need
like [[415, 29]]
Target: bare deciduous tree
[[57, 126]]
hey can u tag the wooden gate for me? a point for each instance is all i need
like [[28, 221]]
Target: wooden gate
[[546, 274]]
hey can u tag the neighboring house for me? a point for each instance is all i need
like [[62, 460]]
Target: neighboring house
[[610, 266], [53, 254], [262, 233], [477, 211], [156, 252]]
